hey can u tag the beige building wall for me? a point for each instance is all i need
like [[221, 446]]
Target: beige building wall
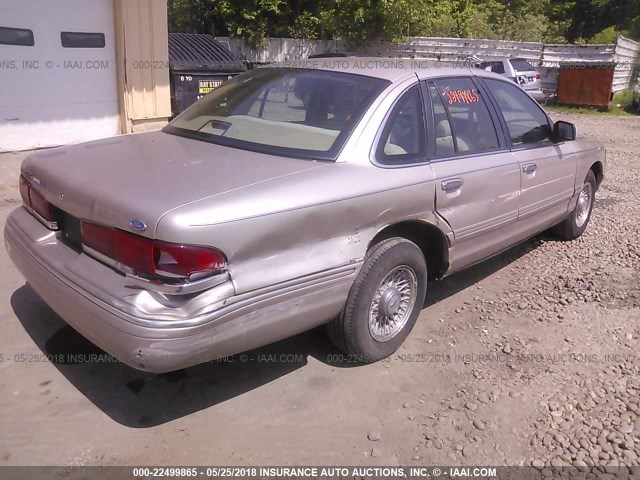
[[142, 56]]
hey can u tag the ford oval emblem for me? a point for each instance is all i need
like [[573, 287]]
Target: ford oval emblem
[[138, 225]]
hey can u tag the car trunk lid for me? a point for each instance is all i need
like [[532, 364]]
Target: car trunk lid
[[140, 177]]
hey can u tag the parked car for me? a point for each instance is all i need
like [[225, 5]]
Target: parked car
[[519, 70], [254, 216]]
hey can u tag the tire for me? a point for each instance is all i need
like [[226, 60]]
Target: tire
[[576, 223], [401, 265]]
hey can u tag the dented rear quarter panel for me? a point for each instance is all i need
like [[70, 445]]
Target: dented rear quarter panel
[[285, 230]]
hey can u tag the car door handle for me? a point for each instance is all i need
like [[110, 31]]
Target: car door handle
[[529, 168], [451, 184]]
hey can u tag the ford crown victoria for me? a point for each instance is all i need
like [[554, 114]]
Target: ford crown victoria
[[293, 197]]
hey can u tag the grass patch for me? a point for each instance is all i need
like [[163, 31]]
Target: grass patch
[[620, 105]]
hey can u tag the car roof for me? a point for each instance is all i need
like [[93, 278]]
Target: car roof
[[392, 69]]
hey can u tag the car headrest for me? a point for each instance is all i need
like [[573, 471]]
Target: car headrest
[[443, 129]]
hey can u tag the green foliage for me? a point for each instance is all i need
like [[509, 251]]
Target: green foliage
[[354, 20], [306, 25], [252, 19], [239, 18], [608, 35], [622, 102], [520, 21], [362, 21], [194, 16]]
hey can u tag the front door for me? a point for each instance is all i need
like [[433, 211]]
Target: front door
[[547, 170]]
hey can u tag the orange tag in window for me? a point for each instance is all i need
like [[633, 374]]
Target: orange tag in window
[[461, 96]]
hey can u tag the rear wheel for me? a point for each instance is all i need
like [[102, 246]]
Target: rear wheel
[[576, 223], [384, 302]]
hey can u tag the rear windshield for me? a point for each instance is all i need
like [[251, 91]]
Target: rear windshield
[[521, 65], [291, 112]]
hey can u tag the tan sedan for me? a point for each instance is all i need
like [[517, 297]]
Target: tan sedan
[[293, 197]]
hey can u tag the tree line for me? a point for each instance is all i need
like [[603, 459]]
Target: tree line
[[362, 21]]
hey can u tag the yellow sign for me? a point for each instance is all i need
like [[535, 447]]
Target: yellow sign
[[206, 86]]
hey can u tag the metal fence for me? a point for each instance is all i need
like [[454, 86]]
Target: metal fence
[[546, 57], [281, 49], [627, 59]]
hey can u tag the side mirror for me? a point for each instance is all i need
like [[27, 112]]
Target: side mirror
[[563, 131]]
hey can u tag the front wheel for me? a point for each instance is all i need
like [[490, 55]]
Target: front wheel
[[384, 302], [576, 223]]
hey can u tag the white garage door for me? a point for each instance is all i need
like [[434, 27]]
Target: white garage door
[[57, 72]]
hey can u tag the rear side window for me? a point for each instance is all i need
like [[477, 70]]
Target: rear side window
[[403, 138], [469, 118], [520, 65], [443, 133], [16, 36], [495, 67], [526, 122], [82, 40]]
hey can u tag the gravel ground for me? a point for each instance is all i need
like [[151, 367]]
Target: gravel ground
[[562, 382], [530, 358]]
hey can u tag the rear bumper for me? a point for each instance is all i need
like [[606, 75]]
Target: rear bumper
[[158, 340]]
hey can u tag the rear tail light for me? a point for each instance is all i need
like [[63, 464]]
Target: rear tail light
[[162, 261], [537, 76], [41, 206], [37, 203]]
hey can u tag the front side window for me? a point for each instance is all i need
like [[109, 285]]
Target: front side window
[[403, 138], [526, 122], [286, 111], [469, 118], [22, 37]]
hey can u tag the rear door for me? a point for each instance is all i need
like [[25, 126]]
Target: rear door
[[547, 170], [477, 178]]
